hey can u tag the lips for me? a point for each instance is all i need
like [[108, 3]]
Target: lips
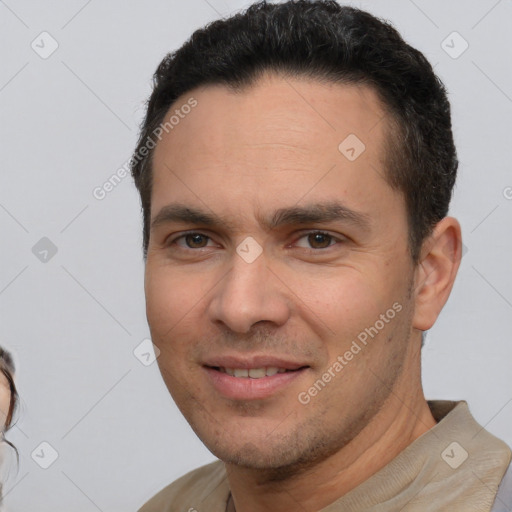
[[251, 378]]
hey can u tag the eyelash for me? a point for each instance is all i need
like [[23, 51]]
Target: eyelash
[[333, 238]]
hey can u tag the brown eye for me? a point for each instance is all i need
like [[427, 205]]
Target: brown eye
[[196, 240], [319, 240]]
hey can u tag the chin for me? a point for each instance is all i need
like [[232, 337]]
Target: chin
[[258, 452], [249, 456], [271, 463]]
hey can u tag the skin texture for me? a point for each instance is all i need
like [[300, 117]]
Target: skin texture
[[242, 156]]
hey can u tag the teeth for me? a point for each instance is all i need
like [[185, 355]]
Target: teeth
[[257, 373], [253, 373]]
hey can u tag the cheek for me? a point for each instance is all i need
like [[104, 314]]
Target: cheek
[[342, 300], [171, 298], [170, 307], [175, 314], [5, 398]]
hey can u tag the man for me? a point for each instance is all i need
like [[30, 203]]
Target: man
[[295, 168]]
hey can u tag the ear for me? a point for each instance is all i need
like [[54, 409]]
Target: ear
[[435, 274]]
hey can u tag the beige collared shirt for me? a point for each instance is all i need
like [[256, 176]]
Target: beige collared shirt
[[455, 466]]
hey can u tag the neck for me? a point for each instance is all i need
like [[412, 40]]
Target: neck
[[404, 418]]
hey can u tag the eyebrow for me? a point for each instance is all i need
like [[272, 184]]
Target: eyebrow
[[187, 215], [319, 213], [296, 215]]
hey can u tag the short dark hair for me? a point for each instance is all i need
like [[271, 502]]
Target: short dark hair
[[329, 42]]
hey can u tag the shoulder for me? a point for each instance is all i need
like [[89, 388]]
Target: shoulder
[[206, 485]]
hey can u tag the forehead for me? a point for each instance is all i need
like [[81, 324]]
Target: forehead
[[278, 140]]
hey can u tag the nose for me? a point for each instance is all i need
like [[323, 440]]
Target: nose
[[249, 293]]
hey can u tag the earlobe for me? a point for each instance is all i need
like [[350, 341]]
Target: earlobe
[[436, 272]]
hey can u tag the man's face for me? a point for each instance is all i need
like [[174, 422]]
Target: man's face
[[265, 163]]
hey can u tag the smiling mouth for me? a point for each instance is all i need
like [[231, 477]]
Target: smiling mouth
[[253, 382], [254, 373]]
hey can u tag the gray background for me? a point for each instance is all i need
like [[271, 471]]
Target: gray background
[[73, 320]]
